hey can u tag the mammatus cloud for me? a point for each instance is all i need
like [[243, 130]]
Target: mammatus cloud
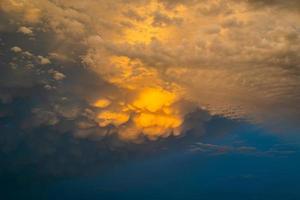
[[164, 59]]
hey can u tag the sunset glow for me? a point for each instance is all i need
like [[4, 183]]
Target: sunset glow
[[149, 99]]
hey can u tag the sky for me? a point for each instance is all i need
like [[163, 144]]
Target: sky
[[149, 99]]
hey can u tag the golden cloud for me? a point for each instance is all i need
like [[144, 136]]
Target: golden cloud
[[234, 60]]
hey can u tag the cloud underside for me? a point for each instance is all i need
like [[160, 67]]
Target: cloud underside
[[153, 63]]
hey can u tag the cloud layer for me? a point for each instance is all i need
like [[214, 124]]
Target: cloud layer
[[87, 84], [233, 59], [153, 63]]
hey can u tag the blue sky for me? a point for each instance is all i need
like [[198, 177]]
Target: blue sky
[[268, 172], [193, 175]]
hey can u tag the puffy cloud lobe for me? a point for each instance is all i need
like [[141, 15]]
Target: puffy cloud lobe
[[57, 75], [43, 60], [25, 30], [16, 49]]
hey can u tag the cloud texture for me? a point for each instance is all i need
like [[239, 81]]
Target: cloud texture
[[136, 69]]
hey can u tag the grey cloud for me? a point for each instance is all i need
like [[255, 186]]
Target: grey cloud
[[134, 15], [25, 30], [161, 20], [219, 6], [57, 75], [16, 49], [173, 3], [232, 23], [213, 149], [291, 4], [214, 8], [43, 60]]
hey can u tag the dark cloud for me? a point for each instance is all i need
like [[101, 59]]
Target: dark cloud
[[216, 5], [48, 127], [173, 3], [134, 15], [214, 149], [290, 5], [161, 20]]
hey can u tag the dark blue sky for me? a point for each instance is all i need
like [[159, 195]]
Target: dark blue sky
[[217, 169], [194, 175]]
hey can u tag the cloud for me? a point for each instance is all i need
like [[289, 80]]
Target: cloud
[[16, 49], [222, 55], [213, 149], [57, 75], [160, 19], [290, 5], [123, 74], [43, 60], [25, 30], [132, 14]]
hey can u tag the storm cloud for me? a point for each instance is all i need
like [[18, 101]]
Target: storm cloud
[[100, 78]]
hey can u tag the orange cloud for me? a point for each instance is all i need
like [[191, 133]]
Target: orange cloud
[[221, 54]]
